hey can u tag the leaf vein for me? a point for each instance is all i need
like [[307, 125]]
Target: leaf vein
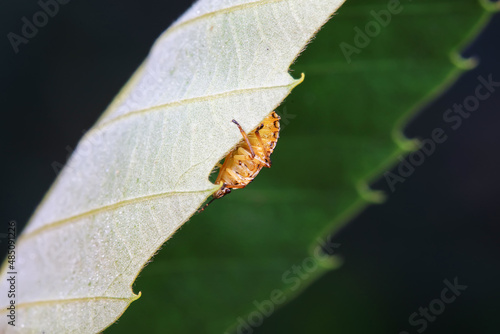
[[215, 13], [178, 103], [106, 208], [71, 300]]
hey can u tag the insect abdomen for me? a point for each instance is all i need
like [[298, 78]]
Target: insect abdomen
[[240, 167]]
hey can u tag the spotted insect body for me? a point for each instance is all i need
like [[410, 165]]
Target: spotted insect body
[[251, 154]]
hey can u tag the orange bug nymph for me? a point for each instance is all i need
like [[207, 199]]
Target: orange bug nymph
[[246, 160]]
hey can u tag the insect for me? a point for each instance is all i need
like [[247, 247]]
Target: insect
[[246, 160]]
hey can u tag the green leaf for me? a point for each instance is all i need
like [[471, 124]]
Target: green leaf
[[143, 169], [341, 129]]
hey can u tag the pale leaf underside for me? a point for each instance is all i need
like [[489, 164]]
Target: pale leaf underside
[[143, 169]]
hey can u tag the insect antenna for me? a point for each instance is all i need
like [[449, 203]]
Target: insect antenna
[[205, 206]]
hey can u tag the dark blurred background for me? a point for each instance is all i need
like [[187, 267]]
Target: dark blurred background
[[441, 223]]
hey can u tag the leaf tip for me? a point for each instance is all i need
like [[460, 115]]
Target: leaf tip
[[299, 81], [331, 262], [404, 143], [370, 195], [463, 63], [136, 296]]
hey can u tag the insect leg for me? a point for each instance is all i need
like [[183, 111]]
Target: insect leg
[[205, 206], [222, 168], [242, 154], [243, 133], [242, 157], [238, 187], [266, 153]]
